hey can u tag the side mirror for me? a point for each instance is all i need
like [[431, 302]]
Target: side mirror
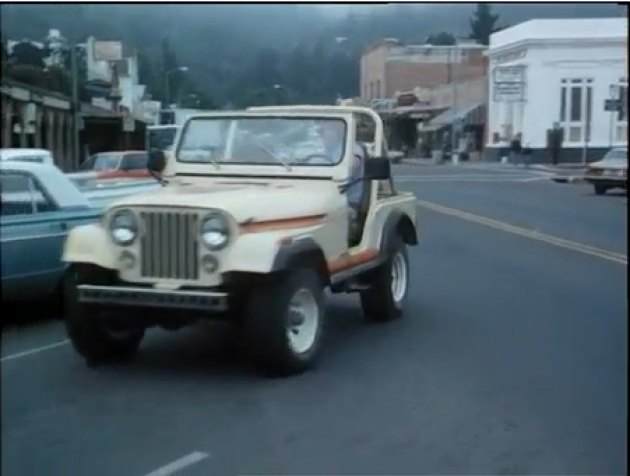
[[378, 168], [156, 161]]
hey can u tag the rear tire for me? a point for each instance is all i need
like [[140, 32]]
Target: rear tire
[[91, 338], [600, 189], [385, 298], [284, 323]]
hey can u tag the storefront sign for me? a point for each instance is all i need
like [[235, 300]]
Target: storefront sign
[[508, 92], [509, 74], [108, 50]]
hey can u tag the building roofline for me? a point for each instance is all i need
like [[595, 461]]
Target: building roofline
[[534, 42]]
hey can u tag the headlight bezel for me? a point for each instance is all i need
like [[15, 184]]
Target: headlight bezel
[[133, 227], [223, 228]]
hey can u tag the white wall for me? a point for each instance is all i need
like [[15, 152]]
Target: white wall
[[547, 64]]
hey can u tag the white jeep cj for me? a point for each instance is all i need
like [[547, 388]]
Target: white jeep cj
[[253, 222]]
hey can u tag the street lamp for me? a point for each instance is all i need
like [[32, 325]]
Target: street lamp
[[182, 69]]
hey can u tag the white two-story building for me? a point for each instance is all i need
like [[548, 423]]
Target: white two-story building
[[562, 72]]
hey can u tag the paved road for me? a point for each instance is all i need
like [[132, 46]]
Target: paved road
[[511, 359]]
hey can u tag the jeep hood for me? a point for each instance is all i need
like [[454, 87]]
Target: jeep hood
[[245, 201]]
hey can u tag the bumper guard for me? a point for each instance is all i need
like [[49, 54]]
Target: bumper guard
[[161, 298]]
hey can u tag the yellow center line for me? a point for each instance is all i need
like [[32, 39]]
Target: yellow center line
[[532, 234]]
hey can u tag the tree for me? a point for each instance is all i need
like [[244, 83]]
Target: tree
[[58, 80], [442, 38], [26, 53], [482, 23], [29, 74]]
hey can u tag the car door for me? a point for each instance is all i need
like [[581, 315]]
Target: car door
[[33, 230], [24, 238]]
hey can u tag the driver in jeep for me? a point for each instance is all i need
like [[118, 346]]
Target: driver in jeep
[[332, 137]]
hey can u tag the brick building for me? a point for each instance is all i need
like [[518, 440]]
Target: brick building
[[388, 67]]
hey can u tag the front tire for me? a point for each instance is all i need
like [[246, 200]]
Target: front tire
[[91, 338], [284, 323], [385, 298]]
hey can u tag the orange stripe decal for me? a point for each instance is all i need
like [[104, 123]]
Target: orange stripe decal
[[348, 261], [283, 224]]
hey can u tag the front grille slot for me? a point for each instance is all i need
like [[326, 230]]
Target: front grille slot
[[169, 245]]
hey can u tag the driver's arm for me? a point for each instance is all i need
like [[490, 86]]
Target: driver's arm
[[355, 191]]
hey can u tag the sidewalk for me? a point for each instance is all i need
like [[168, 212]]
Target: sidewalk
[[558, 168]]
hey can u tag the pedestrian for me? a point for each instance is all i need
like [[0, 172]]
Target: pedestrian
[[555, 137], [516, 149]]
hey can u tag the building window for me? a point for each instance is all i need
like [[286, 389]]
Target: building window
[[378, 88], [371, 90], [576, 103]]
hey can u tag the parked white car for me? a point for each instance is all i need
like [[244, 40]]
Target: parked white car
[[41, 156], [609, 172]]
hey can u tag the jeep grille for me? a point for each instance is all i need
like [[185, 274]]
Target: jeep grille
[[169, 245]]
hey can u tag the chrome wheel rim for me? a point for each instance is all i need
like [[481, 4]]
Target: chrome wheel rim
[[303, 320], [399, 277]]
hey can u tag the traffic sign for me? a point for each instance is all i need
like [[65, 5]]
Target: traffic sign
[[612, 105]]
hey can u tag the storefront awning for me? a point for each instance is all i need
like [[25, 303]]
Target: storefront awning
[[469, 114], [416, 110]]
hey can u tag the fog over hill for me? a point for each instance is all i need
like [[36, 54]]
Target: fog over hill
[[238, 52]]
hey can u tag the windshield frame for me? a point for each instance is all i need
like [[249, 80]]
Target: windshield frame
[[228, 164]]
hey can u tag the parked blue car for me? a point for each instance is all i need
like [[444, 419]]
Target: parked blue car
[[40, 204]]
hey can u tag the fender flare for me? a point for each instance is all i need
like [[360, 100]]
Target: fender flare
[[299, 251], [398, 224]]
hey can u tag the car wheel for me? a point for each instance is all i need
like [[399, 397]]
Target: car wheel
[[600, 189], [284, 323], [388, 286], [90, 336]]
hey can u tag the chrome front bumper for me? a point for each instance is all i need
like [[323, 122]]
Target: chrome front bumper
[[151, 297]]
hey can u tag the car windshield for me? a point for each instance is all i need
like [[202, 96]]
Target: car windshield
[[263, 140], [102, 162], [617, 155]]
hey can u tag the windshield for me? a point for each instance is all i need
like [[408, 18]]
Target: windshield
[[102, 162], [161, 139], [617, 155], [263, 141]]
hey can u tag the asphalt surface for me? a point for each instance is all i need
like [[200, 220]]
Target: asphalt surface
[[511, 359]]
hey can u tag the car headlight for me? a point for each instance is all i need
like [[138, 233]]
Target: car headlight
[[123, 227], [215, 232]]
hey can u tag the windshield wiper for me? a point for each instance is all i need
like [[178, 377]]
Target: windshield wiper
[[287, 165], [211, 158]]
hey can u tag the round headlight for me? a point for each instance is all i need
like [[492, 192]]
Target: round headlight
[[123, 227], [215, 232]]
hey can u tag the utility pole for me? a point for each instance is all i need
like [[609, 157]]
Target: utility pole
[[455, 119], [183, 69], [76, 107]]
